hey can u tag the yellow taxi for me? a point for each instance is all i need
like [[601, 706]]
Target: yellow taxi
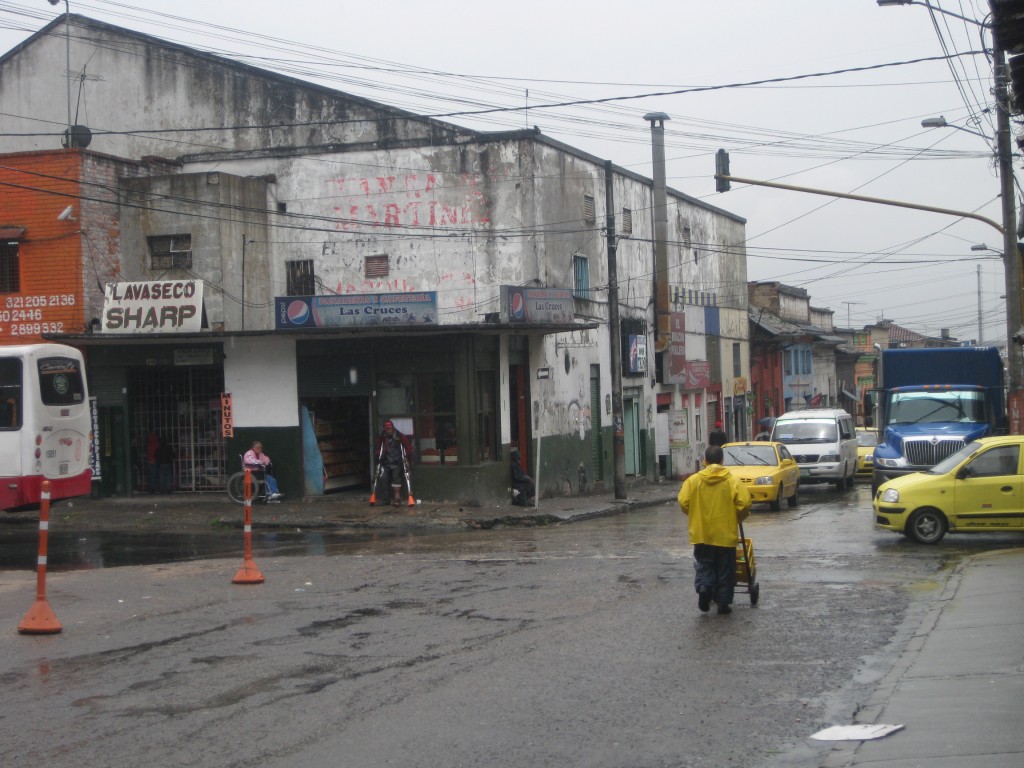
[[867, 439], [768, 471], [978, 488]]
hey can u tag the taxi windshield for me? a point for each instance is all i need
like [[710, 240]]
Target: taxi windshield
[[748, 455], [951, 461]]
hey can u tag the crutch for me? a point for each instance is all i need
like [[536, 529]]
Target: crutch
[[376, 477], [408, 481]]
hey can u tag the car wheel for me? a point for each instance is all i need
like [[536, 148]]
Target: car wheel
[[849, 480], [927, 526], [840, 484], [794, 500], [776, 505]]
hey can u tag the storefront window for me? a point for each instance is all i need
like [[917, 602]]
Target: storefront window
[[436, 419], [487, 424]]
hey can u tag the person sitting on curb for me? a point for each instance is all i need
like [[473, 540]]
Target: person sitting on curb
[[523, 487]]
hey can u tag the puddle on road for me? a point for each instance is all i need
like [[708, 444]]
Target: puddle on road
[[70, 552], [97, 549]]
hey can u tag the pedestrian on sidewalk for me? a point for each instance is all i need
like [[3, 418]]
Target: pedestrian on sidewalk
[[394, 451], [715, 502]]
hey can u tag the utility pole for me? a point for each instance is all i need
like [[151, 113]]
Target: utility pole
[[1011, 255], [980, 340], [615, 342]]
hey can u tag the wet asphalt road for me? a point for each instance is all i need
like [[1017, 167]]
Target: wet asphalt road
[[578, 644]]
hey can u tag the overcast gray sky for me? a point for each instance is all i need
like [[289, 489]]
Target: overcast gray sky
[[851, 132]]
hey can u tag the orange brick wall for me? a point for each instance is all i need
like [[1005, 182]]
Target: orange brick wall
[[34, 188]]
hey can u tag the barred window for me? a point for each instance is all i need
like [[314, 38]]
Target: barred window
[[627, 221], [581, 276], [301, 278], [589, 211], [170, 251]]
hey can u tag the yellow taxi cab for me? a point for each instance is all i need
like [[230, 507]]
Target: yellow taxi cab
[[867, 439], [768, 471], [978, 488]]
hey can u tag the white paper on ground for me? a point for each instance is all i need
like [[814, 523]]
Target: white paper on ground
[[855, 732]]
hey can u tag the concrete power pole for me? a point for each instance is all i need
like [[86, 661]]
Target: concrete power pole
[[615, 341], [1011, 254]]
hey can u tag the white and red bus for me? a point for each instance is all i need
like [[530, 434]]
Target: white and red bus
[[45, 423]]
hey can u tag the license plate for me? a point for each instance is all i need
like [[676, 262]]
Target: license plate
[[805, 472], [62, 469]]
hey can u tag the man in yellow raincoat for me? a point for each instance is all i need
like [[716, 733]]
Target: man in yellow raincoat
[[715, 502]]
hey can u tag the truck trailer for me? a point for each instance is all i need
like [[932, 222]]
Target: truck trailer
[[931, 403]]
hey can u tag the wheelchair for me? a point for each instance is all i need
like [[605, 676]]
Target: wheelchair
[[260, 489]]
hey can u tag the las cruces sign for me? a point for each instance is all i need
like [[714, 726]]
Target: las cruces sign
[[355, 309], [169, 306]]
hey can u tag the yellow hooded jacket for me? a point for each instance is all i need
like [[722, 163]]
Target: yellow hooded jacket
[[715, 502]]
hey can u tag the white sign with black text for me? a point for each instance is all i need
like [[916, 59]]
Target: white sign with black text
[[168, 306]]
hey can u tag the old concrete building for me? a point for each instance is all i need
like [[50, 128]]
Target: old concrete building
[[356, 262]]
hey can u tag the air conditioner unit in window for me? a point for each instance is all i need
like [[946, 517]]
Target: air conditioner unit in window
[[181, 259]]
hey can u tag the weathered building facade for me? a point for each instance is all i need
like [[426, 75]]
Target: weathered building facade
[[356, 262]]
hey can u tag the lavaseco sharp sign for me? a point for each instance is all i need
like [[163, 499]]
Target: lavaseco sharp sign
[[167, 306]]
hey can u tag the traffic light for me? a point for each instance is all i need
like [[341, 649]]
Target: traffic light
[[721, 169]]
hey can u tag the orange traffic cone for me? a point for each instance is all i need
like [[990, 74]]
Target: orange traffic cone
[[40, 619]]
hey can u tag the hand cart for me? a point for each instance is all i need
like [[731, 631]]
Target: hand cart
[[746, 567]]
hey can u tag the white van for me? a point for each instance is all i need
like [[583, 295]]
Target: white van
[[823, 442]]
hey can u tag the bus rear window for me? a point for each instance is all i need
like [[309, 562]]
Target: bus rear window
[[60, 381], [10, 393]]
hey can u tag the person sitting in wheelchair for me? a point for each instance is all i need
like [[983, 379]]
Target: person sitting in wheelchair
[[255, 459]]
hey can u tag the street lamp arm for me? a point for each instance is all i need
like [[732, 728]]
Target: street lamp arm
[[865, 199], [940, 122], [929, 6]]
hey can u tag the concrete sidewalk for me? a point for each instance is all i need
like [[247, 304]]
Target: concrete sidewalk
[[346, 510], [958, 688]]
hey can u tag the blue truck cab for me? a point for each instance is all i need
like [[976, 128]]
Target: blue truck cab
[[933, 402]]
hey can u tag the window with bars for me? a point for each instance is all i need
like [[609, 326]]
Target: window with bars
[[580, 276], [170, 251], [589, 211], [376, 266], [10, 272], [301, 278], [627, 221]]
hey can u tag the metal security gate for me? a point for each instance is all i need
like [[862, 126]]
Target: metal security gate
[[182, 407]]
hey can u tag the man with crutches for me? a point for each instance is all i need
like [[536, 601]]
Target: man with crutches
[[393, 451]]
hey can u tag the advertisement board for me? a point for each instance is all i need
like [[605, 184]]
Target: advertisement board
[[536, 306], [166, 306], [355, 309]]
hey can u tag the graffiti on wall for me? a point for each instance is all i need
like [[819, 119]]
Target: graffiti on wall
[[410, 200]]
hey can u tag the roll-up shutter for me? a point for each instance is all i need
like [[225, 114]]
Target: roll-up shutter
[[107, 385], [334, 376]]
